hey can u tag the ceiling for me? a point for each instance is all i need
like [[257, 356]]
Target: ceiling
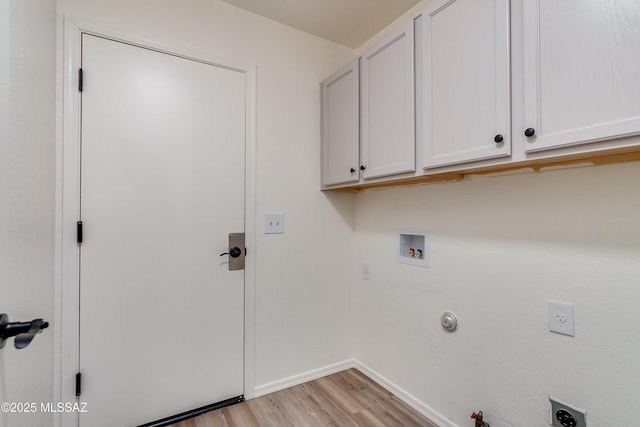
[[347, 22]]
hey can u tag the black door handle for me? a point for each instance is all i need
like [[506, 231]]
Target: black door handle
[[234, 252], [529, 132], [498, 139], [23, 331]]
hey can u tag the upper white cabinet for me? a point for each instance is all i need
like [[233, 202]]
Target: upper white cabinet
[[503, 84], [581, 71], [387, 106], [340, 126], [466, 86]]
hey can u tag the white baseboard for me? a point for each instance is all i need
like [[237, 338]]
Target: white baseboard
[[304, 377], [407, 398], [401, 394]]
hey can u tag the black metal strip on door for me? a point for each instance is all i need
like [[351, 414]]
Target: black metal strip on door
[[194, 412]]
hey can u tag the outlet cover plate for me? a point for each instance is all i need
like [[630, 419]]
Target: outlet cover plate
[[273, 223], [561, 318]]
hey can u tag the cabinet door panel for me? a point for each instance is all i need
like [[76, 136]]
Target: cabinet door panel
[[581, 71], [388, 135], [466, 95], [340, 126]]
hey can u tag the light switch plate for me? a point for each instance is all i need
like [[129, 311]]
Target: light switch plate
[[273, 223], [561, 318]]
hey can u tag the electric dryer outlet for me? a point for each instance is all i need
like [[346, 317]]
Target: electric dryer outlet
[[564, 414]]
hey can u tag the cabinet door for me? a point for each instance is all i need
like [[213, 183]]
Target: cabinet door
[[581, 71], [340, 126], [466, 97], [387, 103]]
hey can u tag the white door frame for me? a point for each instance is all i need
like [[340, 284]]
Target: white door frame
[[66, 352]]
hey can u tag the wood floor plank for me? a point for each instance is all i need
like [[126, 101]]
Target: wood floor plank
[[292, 407], [211, 419], [370, 395], [269, 412], [239, 416], [408, 414], [345, 399], [366, 418], [364, 383], [339, 395], [321, 408]]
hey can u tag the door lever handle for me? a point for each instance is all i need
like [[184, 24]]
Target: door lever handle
[[23, 331], [234, 252]]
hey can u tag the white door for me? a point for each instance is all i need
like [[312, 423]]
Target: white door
[[162, 185], [340, 122], [581, 70], [466, 81], [387, 106]]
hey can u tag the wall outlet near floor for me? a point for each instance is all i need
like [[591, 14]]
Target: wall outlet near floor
[[561, 318], [564, 414]]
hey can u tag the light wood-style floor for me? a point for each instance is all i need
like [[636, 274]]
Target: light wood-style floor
[[348, 398]]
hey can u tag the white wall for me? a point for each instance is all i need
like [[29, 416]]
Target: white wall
[[501, 247], [303, 279], [28, 152]]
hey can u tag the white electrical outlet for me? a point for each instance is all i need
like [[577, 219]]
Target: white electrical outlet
[[273, 223], [561, 318]]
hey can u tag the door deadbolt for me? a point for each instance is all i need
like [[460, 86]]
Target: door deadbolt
[[234, 252]]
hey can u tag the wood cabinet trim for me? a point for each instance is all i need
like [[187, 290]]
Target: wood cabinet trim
[[612, 156]]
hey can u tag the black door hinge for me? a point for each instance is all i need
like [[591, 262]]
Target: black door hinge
[[78, 384], [79, 231], [80, 80]]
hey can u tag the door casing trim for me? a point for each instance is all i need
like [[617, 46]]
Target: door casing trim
[[67, 205]]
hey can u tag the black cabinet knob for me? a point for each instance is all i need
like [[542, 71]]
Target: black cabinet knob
[[529, 132], [352, 170], [498, 139], [362, 167]]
